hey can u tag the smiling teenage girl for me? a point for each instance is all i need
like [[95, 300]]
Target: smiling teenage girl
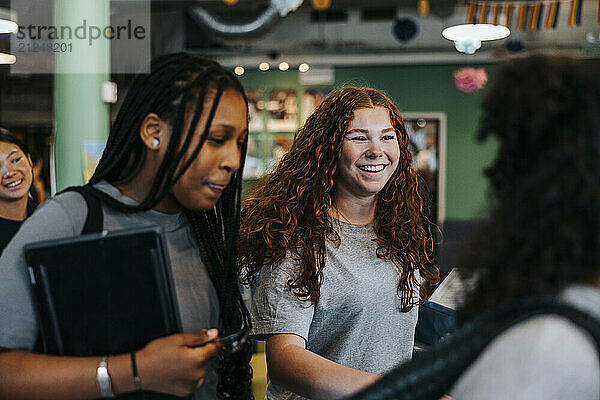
[[172, 159], [334, 239], [17, 198]]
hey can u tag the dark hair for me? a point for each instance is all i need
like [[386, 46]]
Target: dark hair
[[180, 83], [7, 137], [542, 233], [288, 209]]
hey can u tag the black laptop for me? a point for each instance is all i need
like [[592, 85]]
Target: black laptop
[[106, 293]]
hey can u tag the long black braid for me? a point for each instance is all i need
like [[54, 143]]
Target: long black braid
[[176, 83]]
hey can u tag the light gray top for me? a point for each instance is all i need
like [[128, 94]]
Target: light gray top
[[64, 216], [545, 357], [357, 321]]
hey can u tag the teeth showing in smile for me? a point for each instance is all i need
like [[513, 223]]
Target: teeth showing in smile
[[13, 184], [372, 168]]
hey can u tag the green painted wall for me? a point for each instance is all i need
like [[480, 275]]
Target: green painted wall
[[80, 115], [424, 89]]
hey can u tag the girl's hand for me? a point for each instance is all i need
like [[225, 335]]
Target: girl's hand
[[176, 364]]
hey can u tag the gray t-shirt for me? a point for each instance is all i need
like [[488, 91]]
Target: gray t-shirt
[[543, 358], [64, 216], [357, 321]]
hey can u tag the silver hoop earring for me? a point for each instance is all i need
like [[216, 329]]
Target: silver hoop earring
[[154, 142]]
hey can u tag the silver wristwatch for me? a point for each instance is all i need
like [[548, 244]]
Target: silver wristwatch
[[103, 379]]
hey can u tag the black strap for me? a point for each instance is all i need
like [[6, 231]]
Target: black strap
[[94, 221], [434, 373]]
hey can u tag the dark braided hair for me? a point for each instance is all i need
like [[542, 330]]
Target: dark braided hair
[[34, 200], [180, 83]]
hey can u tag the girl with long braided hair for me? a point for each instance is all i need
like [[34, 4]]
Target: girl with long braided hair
[[338, 244], [173, 158]]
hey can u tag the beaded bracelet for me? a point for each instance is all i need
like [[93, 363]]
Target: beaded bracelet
[[137, 382]]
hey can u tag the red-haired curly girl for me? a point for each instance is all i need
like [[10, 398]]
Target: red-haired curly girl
[[336, 241]]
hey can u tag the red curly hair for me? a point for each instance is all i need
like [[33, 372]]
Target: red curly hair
[[287, 211]]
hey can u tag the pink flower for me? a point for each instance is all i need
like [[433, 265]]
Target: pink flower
[[470, 79]]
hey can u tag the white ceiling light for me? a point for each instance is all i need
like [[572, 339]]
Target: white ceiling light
[[467, 38], [479, 32], [239, 70], [303, 67], [467, 46], [7, 58], [283, 66], [7, 26], [264, 66], [6, 21]]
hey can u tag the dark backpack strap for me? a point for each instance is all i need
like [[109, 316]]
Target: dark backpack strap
[[95, 217], [94, 222]]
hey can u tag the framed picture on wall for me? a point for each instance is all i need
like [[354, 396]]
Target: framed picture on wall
[[283, 109], [256, 108], [280, 144], [311, 100], [427, 134], [254, 166]]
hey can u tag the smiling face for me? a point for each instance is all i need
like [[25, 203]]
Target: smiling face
[[370, 154], [220, 156], [16, 170]]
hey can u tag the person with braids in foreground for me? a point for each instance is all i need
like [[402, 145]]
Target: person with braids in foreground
[[531, 325], [173, 159], [336, 240]]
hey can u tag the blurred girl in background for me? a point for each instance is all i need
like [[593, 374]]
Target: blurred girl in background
[[18, 198]]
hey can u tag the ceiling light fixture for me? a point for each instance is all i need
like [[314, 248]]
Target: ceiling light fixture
[[264, 66], [7, 58], [303, 67], [239, 70], [467, 38], [7, 24], [283, 66], [467, 46]]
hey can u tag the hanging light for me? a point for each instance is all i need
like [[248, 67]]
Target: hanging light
[[7, 25], [467, 46], [479, 32], [303, 67], [467, 38], [7, 58]]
